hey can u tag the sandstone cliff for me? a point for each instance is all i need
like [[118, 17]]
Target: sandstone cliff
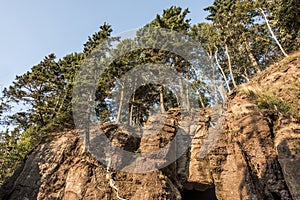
[[256, 156]]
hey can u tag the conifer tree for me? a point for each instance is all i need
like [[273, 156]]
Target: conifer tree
[[173, 19]]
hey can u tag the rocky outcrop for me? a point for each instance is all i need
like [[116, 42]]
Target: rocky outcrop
[[254, 155], [257, 157], [61, 169]]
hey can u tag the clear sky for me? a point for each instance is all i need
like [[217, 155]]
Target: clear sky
[[31, 30]]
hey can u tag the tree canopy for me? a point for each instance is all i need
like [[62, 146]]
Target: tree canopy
[[241, 38]]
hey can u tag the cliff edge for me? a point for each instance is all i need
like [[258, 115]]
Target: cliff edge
[[256, 156]]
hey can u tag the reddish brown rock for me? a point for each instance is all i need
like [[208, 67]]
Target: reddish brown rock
[[255, 156]]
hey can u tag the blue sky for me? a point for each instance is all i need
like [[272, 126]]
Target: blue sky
[[31, 30]]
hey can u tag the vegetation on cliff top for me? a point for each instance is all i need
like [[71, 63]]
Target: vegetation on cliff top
[[238, 42]]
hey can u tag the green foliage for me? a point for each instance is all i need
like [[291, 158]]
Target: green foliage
[[265, 101], [27, 141], [241, 27], [269, 100], [37, 103], [237, 43], [173, 19], [287, 16], [9, 154], [97, 38]]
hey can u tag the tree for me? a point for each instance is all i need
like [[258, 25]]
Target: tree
[[208, 36], [272, 33], [173, 19], [283, 18], [247, 44], [38, 91], [85, 88], [221, 13], [46, 93], [288, 16], [125, 59], [69, 65]]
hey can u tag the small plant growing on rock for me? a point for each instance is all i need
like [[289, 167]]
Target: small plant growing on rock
[[269, 100], [266, 101]]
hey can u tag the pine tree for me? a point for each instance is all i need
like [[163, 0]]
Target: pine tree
[[175, 20], [85, 87]]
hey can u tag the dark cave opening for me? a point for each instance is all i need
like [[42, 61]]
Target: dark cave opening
[[208, 194]]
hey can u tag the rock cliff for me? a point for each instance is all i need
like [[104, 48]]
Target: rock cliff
[[256, 156]]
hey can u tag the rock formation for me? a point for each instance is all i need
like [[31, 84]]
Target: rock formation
[[255, 156]]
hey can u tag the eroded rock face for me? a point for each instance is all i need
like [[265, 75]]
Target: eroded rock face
[[61, 169], [256, 156], [250, 168]]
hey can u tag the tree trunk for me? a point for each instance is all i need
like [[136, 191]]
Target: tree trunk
[[251, 56], [272, 33], [132, 105], [212, 64], [131, 111], [222, 71], [245, 76], [230, 66], [161, 99], [61, 104], [187, 92], [87, 121], [182, 95], [120, 104], [201, 100]]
